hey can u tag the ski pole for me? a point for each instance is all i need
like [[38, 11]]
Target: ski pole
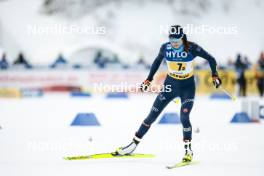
[[227, 93]]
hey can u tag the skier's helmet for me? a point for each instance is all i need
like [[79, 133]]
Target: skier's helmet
[[176, 32]]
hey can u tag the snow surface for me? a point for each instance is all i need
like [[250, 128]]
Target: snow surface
[[36, 134]]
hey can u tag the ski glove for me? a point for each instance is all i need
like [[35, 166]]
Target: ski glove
[[216, 81], [145, 85]]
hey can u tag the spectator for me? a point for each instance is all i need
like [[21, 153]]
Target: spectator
[[22, 61], [100, 61], [259, 73], [103, 62], [247, 62], [98, 57], [141, 61], [115, 59], [3, 63], [240, 67]]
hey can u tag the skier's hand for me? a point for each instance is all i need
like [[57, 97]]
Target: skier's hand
[[216, 81], [145, 85]]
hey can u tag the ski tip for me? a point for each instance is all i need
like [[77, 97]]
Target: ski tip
[[67, 158], [181, 164]]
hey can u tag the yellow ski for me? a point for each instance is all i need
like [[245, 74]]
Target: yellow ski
[[181, 164], [108, 155]]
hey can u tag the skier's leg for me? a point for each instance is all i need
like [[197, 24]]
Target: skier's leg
[[160, 103], [187, 99]]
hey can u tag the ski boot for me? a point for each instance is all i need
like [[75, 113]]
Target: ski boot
[[127, 150], [188, 152]]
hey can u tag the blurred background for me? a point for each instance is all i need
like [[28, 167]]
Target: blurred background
[[59, 57], [40, 39]]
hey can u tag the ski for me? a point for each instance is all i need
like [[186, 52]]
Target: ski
[[107, 156], [181, 164]]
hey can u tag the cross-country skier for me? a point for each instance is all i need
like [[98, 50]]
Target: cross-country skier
[[179, 54]]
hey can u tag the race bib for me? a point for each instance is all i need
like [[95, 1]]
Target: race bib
[[180, 68]]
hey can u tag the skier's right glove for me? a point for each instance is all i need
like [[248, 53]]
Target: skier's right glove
[[145, 85]]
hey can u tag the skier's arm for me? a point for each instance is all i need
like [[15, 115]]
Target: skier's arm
[[199, 51], [156, 64]]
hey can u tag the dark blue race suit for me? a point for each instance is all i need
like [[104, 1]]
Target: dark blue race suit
[[181, 80]]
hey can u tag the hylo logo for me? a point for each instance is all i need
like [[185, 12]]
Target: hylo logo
[[176, 54]]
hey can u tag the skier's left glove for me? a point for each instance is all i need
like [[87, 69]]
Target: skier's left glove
[[216, 80]]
